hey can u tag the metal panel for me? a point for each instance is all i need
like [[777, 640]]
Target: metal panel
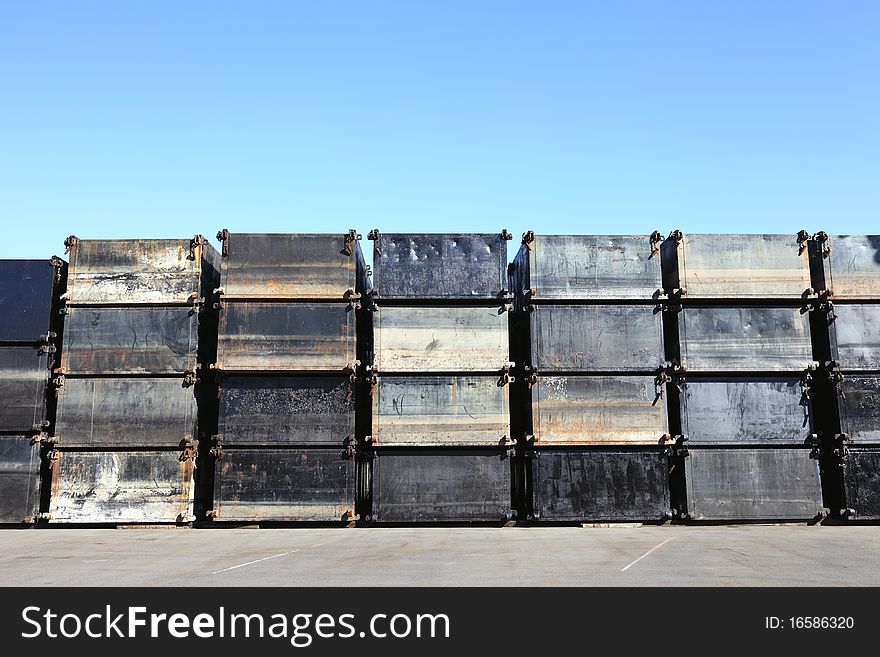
[[854, 266], [737, 411], [422, 485], [855, 336], [286, 336], [102, 339], [861, 481], [590, 484], [440, 411], [24, 375], [603, 410], [596, 338], [125, 412], [743, 267], [289, 410], [19, 479], [752, 484], [121, 486], [440, 339], [284, 484], [288, 266], [594, 267], [26, 288], [859, 403], [440, 266], [768, 339]]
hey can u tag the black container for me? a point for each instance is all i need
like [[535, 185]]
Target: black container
[[861, 481], [19, 478], [855, 336], [24, 377], [858, 399], [27, 288]]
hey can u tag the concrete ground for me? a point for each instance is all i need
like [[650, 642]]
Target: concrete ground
[[744, 555]]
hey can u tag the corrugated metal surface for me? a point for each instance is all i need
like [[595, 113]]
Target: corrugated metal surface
[[24, 375], [440, 339], [286, 336], [745, 339], [753, 410], [596, 338], [423, 485], [572, 410], [855, 336], [606, 484], [25, 299], [121, 486], [752, 484], [286, 410], [440, 266], [284, 484], [859, 404], [19, 479], [440, 410], [854, 266], [861, 480]]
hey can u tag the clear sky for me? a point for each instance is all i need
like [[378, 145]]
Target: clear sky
[[165, 119]]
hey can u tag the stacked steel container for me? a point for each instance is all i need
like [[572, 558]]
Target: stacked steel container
[[592, 401], [288, 359], [746, 369], [126, 438], [29, 338], [440, 378]]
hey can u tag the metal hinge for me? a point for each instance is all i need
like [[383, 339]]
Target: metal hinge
[[528, 237], [48, 349], [194, 245], [822, 238], [505, 374], [532, 379], [48, 336], [803, 238], [373, 235], [655, 240], [352, 237], [827, 307], [70, 242], [58, 264], [660, 380], [52, 457], [353, 298], [506, 235], [806, 384], [676, 236], [223, 238], [190, 379], [58, 380], [190, 449]]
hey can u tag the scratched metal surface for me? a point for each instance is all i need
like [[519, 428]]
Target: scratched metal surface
[[855, 336], [858, 399], [19, 478], [852, 267], [26, 288], [24, 377], [861, 481]]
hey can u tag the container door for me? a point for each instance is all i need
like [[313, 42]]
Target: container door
[[25, 299]]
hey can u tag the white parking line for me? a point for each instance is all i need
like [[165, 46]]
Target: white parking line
[[248, 563], [656, 547]]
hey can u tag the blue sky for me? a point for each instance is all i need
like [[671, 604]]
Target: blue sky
[[164, 119]]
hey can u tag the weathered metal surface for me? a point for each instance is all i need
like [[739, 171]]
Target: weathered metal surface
[[440, 339], [121, 486], [284, 484], [424, 485], [606, 484], [289, 266], [752, 484], [594, 267], [134, 271], [125, 412], [19, 479], [601, 410], [740, 267], [596, 338], [738, 411], [440, 266], [26, 288], [138, 340], [24, 375], [861, 482], [858, 400], [768, 339], [286, 336], [852, 267], [855, 336], [440, 411], [286, 410]]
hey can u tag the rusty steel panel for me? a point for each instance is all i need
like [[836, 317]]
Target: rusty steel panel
[[752, 484], [861, 482], [601, 484], [132, 340], [286, 336], [770, 339], [125, 412], [596, 338], [24, 377], [289, 266], [19, 479], [601, 410], [440, 266], [440, 339], [739, 411], [286, 410], [594, 267], [858, 399], [121, 486], [440, 411], [740, 267], [26, 288], [855, 336], [134, 271], [853, 267], [284, 484], [425, 485]]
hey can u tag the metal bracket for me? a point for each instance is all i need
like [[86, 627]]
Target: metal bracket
[[48, 349], [827, 307], [803, 238], [216, 451], [48, 336], [70, 242], [223, 238], [58, 264], [190, 379], [349, 239], [52, 457], [353, 298], [373, 235], [659, 380], [195, 245], [806, 384], [822, 238], [655, 240], [506, 235], [528, 237], [676, 235]]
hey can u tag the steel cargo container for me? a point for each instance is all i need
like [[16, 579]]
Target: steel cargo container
[[855, 336], [19, 478], [27, 288], [861, 482], [24, 377], [852, 267], [858, 400]]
